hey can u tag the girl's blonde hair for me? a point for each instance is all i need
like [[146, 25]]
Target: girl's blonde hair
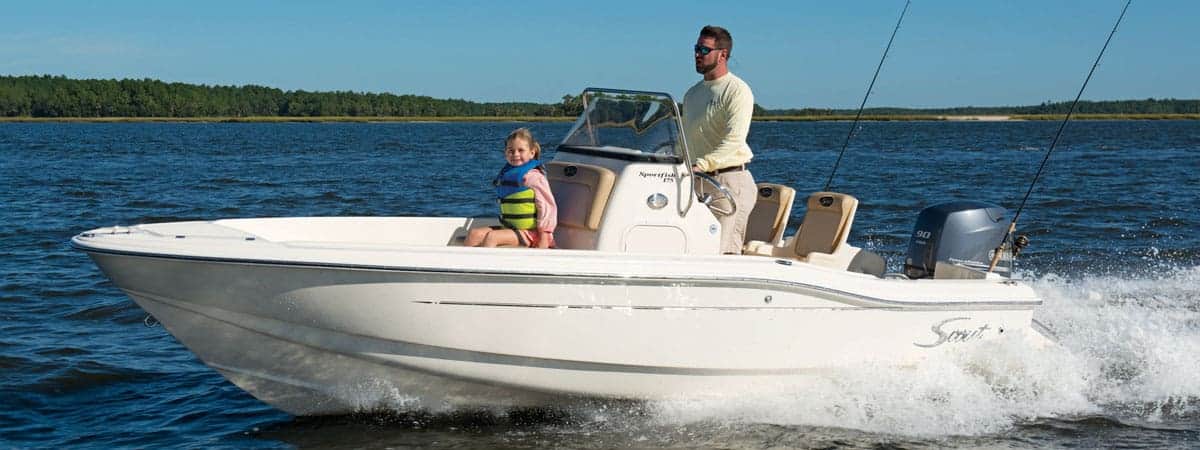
[[524, 133]]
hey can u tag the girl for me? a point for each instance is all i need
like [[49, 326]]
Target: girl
[[528, 214]]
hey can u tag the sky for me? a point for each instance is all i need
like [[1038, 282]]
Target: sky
[[793, 54]]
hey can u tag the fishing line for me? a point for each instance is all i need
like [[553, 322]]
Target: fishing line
[[1013, 225], [858, 115]]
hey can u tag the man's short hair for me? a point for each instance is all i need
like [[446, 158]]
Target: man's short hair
[[722, 36]]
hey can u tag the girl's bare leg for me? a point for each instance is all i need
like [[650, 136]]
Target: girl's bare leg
[[501, 238], [475, 236]]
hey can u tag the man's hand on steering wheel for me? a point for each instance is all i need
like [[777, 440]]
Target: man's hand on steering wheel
[[722, 203]]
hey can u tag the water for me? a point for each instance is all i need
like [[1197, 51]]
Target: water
[[1115, 253]]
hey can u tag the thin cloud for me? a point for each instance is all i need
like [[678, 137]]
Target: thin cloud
[[72, 55]]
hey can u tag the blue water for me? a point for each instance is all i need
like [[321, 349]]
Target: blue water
[[1115, 252]]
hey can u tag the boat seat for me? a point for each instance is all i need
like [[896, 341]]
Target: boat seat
[[826, 223], [869, 263], [769, 217], [821, 239], [581, 192]]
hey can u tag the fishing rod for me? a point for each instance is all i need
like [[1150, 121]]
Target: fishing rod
[[858, 115], [1012, 226]]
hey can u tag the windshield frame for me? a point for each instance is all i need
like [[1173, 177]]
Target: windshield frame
[[584, 124]]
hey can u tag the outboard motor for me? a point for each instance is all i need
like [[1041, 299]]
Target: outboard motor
[[963, 233]]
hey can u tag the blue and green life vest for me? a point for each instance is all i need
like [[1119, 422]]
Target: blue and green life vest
[[517, 209]]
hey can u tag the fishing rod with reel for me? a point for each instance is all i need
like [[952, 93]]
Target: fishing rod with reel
[[1020, 242]]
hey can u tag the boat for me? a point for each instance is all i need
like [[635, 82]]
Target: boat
[[318, 315]]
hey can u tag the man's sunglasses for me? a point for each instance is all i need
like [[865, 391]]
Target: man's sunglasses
[[704, 51]]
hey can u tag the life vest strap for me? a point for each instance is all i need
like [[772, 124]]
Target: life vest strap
[[516, 200]]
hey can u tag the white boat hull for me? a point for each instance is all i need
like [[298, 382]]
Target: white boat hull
[[330, 328]]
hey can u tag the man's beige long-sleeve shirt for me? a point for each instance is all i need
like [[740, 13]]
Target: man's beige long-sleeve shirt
[[716, 121]]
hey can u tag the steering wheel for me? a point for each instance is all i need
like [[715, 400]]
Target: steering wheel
[[717, 204]]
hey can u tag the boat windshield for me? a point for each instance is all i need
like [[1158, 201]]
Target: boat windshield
[[627, 125]]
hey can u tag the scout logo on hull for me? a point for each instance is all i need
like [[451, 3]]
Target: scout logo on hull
[[954, 335]]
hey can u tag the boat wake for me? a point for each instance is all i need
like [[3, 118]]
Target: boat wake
[[1138, 336]]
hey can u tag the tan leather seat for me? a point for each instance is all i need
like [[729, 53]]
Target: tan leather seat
[[769, 217], [581, 192], [826, 224], [822, 237]]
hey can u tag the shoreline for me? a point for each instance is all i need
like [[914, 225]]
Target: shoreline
[[435, 119], [283, 119], [975, 118]]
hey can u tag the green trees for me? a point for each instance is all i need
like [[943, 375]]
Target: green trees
[[59, 96]]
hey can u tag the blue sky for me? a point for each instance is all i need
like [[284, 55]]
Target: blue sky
[[792, 53]]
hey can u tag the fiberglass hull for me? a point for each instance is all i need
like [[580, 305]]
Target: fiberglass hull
[[341, 326]]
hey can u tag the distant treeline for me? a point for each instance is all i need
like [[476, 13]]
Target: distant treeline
[[58, 96], [1147, 106]]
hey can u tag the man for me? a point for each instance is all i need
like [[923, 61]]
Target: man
[[716, 120]]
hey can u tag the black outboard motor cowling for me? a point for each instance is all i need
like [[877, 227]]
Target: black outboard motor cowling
[[963, 232]]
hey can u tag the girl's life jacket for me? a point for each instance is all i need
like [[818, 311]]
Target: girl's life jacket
[[517, 209]]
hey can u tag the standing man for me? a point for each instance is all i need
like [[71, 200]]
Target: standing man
[[716, 120]]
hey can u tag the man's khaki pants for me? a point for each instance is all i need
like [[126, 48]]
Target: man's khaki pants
[[733, 227]]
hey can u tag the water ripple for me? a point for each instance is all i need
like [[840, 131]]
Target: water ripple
[[86, 375]]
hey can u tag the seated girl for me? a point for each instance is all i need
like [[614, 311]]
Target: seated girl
[[528, 214]]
